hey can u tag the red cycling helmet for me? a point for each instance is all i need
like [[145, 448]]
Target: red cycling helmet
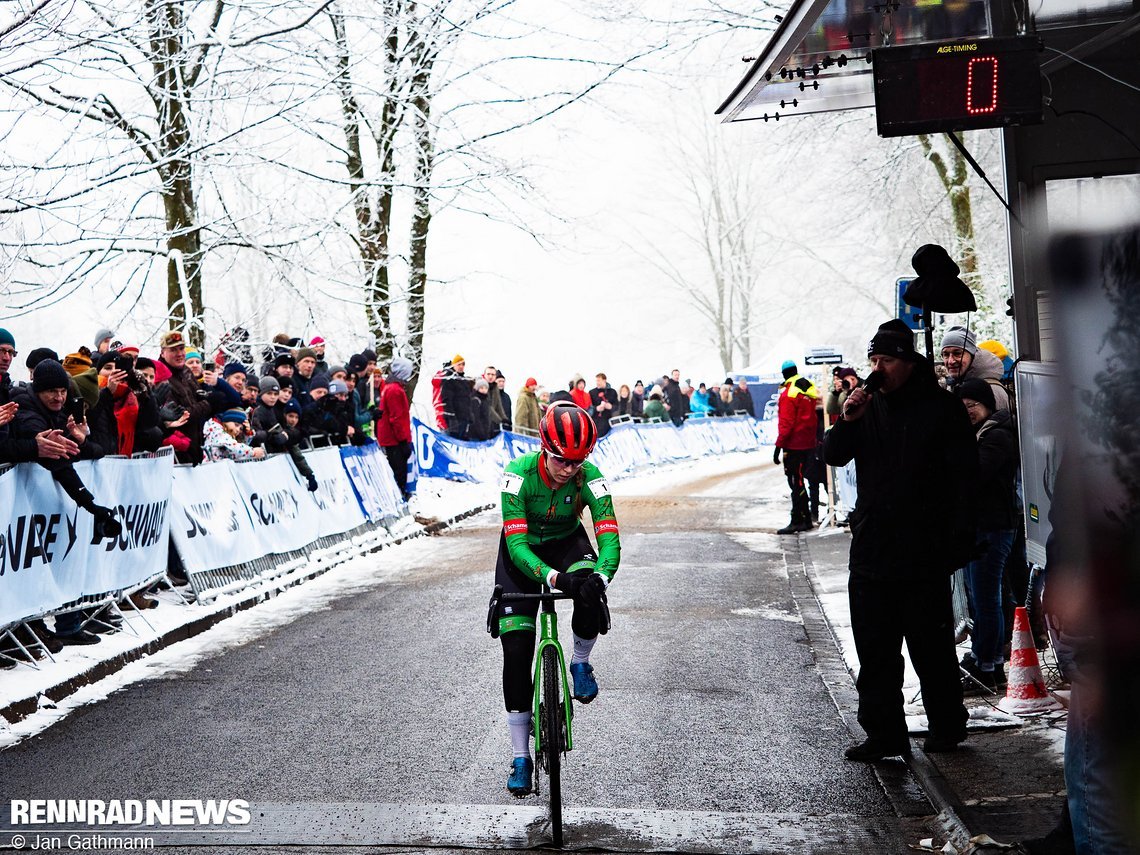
[[568, 432]]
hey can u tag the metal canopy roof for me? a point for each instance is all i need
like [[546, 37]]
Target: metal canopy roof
[[818, 59]]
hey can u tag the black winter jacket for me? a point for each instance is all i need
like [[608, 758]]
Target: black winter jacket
[[916, 464], [996, 495], [33, 418]]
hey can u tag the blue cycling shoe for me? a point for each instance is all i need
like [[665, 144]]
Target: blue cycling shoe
[[519, 783], [585, 686]]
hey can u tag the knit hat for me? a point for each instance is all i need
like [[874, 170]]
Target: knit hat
[[76, 363], [337, 369], [284, 382], [788, 368], [306, 353], [977, 390], [530, 381], [49, 374], [6, 338], [369, 354], [315, 340], [995, 347], [293, 406], [338, 387], [102, 335], [499, 375], [961, 337], [455, 360], [284, 359], [268, 384], [894, 338], [144, 362], [357, 364], [194, 354], [319, 381], [237, 416], [104, 359], [482, 385], [38, 355], [172, 339], [846, 372], [400, 370], [656, 390], [234, 368]]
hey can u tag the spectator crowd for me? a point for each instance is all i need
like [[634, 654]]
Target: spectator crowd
[[477, 408], [111, 399]]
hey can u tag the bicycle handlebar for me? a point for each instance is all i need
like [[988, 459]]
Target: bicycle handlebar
[[544, 595]]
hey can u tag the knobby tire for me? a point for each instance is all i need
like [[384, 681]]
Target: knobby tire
[[552, 724]]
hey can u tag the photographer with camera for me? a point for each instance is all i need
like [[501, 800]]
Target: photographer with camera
[[47, 405], [843, 382]]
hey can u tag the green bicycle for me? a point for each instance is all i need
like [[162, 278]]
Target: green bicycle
[[552, 709]]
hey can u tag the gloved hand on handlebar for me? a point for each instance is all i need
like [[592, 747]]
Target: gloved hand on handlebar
[[592, 588], [569, 583]]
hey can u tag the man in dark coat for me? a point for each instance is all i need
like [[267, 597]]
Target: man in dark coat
[[455, 392], [603, 402], [201, 401], [741, 397], [912, 526], [674, 400]]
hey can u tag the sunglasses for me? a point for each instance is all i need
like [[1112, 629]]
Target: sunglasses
[[562, 461]]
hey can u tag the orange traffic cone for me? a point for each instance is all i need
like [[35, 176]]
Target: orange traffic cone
[[1025, 690]]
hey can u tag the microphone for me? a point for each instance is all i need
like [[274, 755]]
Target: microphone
[[873, 382]]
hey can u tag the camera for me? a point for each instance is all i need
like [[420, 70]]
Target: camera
[[171, 411]]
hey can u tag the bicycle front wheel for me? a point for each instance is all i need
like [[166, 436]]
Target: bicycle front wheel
[[553, 722]]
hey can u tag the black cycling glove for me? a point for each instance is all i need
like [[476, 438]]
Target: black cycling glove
[[106, 525], [593, 588]]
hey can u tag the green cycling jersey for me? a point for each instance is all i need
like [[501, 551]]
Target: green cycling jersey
[[537, 511]]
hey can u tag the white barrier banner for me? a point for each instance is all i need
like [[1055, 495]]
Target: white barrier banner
[[620, 451], [49, 554], [211, 527], [372, 479], [283, 512], [339, 509], [663, 442], [846, 486]]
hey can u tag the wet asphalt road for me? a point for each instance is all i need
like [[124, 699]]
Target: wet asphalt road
[[379, 721]]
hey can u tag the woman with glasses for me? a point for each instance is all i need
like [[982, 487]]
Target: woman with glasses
[[543, 541]]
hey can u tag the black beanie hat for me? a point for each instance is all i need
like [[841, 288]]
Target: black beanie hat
[[49, 374], [977, 390], [894, 338], [39, 355], [104, 358]]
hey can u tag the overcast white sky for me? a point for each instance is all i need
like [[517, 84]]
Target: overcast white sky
[[585, 298]]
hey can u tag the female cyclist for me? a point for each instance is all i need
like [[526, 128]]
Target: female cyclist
[[543, 541]]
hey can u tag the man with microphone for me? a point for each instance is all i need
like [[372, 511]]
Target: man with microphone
[[912, 527]]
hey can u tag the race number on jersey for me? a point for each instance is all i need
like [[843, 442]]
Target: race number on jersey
[[511, 483], [598, 487]]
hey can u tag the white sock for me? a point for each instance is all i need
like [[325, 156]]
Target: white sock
[[519, 724], [582, 649]]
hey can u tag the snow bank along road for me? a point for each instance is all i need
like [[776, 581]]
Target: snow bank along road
[[376, 718]]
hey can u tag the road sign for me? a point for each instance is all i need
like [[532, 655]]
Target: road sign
[[908, 314], [825, 355]]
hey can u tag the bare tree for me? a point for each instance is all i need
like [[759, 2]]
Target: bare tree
[[137, 97]]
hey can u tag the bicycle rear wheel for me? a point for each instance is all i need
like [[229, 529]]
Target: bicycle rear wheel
[[552, 725]]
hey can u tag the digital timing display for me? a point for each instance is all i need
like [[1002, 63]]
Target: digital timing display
[[957, 86]]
